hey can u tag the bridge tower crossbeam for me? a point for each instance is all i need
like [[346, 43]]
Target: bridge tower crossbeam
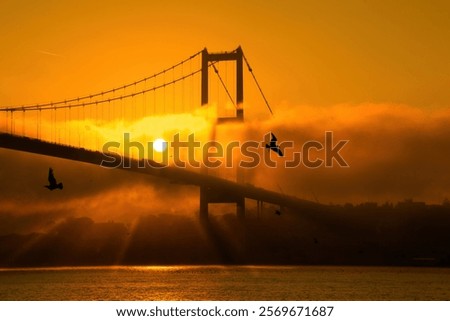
[[236, 55]]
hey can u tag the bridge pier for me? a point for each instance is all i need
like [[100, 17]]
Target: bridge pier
[[209, 195], [259, 208], [203, 204]]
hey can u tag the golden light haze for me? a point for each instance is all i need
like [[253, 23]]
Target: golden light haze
[[375, 73]]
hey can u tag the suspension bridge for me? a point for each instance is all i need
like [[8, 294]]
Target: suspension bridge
[[77, 128]]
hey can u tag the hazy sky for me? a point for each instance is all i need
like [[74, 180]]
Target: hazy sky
[[375, 72], [304, 52]]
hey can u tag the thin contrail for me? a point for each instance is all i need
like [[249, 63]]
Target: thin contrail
[[48, 53]]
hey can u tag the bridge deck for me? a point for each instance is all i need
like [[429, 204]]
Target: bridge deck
[[183, 176]]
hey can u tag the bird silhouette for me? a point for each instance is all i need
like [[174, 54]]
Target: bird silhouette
[[273, 145], [52, 181]]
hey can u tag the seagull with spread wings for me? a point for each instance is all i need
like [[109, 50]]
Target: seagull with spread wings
[[273, 145], [52, 181]]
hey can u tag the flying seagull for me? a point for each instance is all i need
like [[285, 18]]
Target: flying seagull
[[273, 145], [52, 181]]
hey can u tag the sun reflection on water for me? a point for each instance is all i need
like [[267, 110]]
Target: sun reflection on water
[[199, 283]]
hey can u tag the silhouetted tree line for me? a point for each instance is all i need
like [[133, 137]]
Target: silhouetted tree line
[[367, 234]]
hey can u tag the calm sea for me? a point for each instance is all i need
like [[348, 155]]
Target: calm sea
[[225, 283]]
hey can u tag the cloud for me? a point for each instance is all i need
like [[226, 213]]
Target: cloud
[[48, 53], [394, 152], [102, 194]]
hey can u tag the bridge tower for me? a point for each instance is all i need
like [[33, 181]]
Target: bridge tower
[[236, 55], [208, 194]]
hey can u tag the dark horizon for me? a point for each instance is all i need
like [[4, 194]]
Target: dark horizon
[[409, 234]]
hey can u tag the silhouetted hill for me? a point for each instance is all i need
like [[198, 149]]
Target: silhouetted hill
[[367, 234]]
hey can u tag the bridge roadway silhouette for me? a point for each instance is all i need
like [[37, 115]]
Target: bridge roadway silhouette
[[212, 189]]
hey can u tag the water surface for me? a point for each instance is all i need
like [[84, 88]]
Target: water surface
[[225, 283]]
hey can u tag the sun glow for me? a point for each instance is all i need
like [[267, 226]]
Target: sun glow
[[159, 145]]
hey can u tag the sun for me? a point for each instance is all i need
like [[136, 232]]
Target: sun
[[159, 145]]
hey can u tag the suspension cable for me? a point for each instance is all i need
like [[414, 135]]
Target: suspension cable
[[90, 96], [105, 100], [257, 84], [78, 102], [223, 84]]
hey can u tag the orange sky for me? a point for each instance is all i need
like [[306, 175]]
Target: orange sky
[[304, 52]]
